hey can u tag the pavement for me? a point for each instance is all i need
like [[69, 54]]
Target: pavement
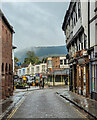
[[86, 104], [47, 103], [8, 104], [27, 89]]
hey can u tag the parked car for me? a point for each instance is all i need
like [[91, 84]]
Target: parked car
[[30, 81]]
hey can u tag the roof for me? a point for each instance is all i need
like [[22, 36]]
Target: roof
[[24, 65], [6, 21]]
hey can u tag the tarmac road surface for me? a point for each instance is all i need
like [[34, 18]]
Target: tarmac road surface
[[45, 103]]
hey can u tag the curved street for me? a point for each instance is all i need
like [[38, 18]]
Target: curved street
[[45, 103]]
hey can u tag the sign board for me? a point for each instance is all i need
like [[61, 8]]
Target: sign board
[[85, 53]]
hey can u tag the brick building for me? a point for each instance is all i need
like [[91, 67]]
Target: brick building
[[6, 63], [57, 69]]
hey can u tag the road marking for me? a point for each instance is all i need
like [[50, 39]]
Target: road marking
[[74, 108], [13, 112], [80, 113]]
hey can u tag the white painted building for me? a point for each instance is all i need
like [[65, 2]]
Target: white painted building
[[41, 68], [75, 27], [64, 63], [93, 48]]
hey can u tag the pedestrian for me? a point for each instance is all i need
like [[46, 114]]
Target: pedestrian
[[40, 84], [43, 83]]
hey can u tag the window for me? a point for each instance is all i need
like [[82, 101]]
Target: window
[[75, 12], [79, 46], [85, 41], [37, 69], [9, 68], [43, 68], [93, 76], [81, 40], [64, 61], [28, 70], [20, 72], [32, 70], [61, 62], [6, 67], [2, 67], [74, 21], [96, 79], [82, 46], [23, 71], [49, 63], [79, 9]]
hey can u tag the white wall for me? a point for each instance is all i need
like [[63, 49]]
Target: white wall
[[84, 14]]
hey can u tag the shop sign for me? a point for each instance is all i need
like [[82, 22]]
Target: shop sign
[[81, 61], [85, 53], [81, 53]]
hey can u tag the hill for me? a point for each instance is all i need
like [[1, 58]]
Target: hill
[[42, 52]]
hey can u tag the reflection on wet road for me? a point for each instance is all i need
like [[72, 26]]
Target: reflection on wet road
[[45, 104]]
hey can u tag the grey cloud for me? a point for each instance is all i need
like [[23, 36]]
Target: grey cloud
[[36, 24]]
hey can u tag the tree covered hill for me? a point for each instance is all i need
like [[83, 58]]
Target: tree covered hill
[[42, 52]]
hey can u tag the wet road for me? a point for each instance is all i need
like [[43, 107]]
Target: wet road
[[45, 104]]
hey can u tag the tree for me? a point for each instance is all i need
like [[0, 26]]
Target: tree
[[31, 58], [16, 60]]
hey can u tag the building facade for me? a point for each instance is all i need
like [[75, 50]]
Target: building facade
[[93, 48], [32, 69], [6, 62], [75, 27], [57, 69]]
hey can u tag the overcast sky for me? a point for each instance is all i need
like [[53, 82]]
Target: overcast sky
[[36, 24]]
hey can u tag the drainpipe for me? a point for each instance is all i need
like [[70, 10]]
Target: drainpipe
[[90, 64]]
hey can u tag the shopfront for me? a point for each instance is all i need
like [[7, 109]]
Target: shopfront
[[94, 80], [81, 84]]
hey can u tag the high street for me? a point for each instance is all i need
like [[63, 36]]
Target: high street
[[45, 103]]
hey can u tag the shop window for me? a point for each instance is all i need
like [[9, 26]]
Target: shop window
[[93, 77], [96, 79]]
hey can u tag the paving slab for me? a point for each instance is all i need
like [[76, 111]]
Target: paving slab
[[89, 105]]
